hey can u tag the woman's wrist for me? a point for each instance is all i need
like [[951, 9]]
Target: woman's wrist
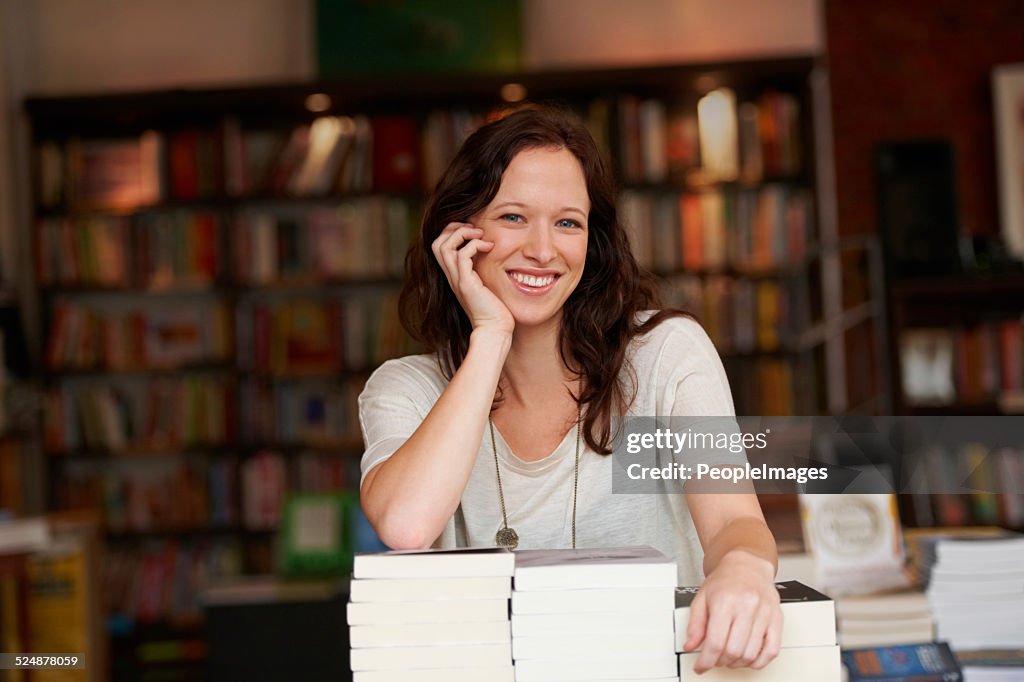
[[749, 561], [492, 338]]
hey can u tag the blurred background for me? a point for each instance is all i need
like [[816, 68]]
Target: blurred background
[[204, 209]]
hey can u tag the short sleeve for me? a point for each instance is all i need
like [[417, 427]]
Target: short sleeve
[[693, 390], [394, 402], [695, 383]]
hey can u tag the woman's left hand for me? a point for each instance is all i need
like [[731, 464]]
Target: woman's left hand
[[735, 619]]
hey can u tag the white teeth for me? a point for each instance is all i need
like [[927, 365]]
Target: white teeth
[[531, 281]]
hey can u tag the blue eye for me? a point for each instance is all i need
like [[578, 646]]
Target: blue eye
[[512, 217], [568, 222]]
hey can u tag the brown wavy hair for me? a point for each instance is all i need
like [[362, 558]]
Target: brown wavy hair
[[599, 319]]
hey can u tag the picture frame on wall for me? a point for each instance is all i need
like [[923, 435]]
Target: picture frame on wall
[[1008, 105]]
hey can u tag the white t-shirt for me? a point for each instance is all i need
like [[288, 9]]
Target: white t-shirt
[[678, 373]]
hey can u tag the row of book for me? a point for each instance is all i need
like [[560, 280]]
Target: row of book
[[744, 229], [971, 364], [717, 138], [125, 335], [323, 413], [301, 335], [151, 251], [360, 238], [197, 492], [769, 386], [334, 155], [331, 155], [991, 481], [748, 316], [134, 413], [542, 615], [163, 582]]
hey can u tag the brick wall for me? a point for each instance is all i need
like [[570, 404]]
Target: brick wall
[[918, 69]]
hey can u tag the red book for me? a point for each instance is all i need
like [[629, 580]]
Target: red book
[[396, 159], [183, 158], [693, 229]]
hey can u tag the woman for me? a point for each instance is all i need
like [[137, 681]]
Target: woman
[[539, 323]]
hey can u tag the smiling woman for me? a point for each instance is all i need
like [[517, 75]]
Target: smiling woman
[[537, 224], [540, 330]]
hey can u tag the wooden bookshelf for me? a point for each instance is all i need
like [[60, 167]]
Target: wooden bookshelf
[[979, 323], [153, 207]]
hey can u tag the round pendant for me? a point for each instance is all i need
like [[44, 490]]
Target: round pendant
[[507, 537]]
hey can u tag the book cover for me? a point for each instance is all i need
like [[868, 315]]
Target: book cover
[[545, 569], [396, 160], [435, 563], [931, 662]]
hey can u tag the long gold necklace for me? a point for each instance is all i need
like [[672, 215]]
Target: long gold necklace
[[506, 536]]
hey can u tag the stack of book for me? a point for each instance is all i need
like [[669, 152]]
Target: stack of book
[[808, 647], [977, 593], [593, 614], [431, 616], [884, 619]]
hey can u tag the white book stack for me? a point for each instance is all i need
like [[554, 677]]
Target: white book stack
[[593, 614], [808, 653], [431, 616], [976, 592], [884, 620]]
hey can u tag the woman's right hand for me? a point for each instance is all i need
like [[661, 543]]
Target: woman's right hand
[[454, 249]]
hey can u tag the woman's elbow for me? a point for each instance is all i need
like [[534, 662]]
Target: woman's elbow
[[401, 534]]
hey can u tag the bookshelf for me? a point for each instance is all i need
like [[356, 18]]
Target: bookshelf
[[957, 344], [219, 272]]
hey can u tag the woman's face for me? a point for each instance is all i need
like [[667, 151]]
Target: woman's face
[[538, 223]]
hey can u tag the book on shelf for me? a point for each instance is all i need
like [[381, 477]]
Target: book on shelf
[[195, 163], [970, 364], [125, 413], [927, 662], [161, 582], [178, 249], [82, 251], [117, 173], [22, 536], [137, 335]]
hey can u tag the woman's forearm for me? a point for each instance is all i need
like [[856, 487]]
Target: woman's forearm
[[409, 497], [744, 537]]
